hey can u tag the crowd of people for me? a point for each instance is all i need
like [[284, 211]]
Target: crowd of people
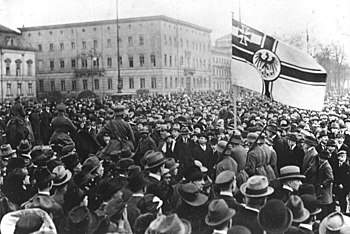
[[177, 163]]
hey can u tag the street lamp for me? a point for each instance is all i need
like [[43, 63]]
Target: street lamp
[[119, 87]]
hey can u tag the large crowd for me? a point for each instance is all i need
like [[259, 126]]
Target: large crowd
[[177, 163]]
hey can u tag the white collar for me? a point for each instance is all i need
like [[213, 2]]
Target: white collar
[[251, 208], [306, 226], [220, 231], [44, 193], [287, 188], [157, 177], [226, 193], [138, 195]]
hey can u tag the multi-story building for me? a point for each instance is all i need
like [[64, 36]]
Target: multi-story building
[[157, 54], [17, 66], [221, 64]]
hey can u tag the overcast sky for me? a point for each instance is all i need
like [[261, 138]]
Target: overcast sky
[[326, 20]]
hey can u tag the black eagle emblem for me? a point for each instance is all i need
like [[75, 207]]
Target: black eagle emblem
[[267, 64]]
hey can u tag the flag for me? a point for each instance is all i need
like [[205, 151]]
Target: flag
[[280, 71]]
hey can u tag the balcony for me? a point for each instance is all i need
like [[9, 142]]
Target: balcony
[[89, 72]]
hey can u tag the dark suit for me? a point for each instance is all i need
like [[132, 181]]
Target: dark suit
[[279, 145], [249, 219], [183, 155], [133, 210], [231, 202], [281, 193], [295, 157], [195, 215], [204, 156], [341, 177], [155, 187]]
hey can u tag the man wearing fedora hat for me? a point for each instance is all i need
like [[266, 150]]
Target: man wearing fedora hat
[[279, 144], [203, 152], [255, 191], [294, 154], [290, 180], [308, 145], [60, 183], [219, 216]]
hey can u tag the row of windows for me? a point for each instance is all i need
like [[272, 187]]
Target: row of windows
[[19, 89], [221, 60], [196, 63], [74, 85], [193, 31], [198, 46], [221, 72], [18, 68]]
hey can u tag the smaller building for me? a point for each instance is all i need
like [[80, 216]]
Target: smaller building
[[17, 66]]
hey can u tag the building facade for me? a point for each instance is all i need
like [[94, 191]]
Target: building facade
[[156, 54], [17, 66], [221, 64]]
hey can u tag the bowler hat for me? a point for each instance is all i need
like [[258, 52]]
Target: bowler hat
[[184, 131], [169, 224], [335, 223], [225, 177], [91, 164], [275, 217], [24, 146], [62, 175], [42, 175], [290, 173], [154, 159], [256, 186], [296, 205], [218, 213], [14, 163], [331, 142], [190, 194], [171, 164], [119, 110], [6, 151], [136, 178], [126, 153], [311, 204]]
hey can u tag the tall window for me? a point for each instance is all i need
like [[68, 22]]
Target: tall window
[[95, 43], [8, 63], [130, 41], [142, 83], [176, 83], [97, 83], [84, 63], [153, 82], [171, 82], [30, 88], [142, 60], [74, 85], [110, 86], [120, 59], [18, 67], [181, 61], [153, 60], [29, 67], [141, 40], [41, 85], [84, 44], [51, 46], [96, 62], [109, 43], [53, 88], [85, 85], [8, 89], [63, 85], [165, 60], [72, 62], [166, 83], [131, 83], [109, 62], [52, 65], [72, 45], [170, 61], [40, 48], [62, 63], [131, 61], [61, 46]]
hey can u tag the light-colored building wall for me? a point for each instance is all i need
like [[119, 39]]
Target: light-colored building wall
[[181, 51]]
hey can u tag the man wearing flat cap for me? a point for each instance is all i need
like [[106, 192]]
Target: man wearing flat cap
[[120, 131]]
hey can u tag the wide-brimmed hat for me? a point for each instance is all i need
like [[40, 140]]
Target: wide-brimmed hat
[[275, 217], [24, 146], [296, 205], [171, 164], [220, 147], [136, 178], [311, 204], [169, 224], [62, 175], [256, 186], [335, 223], [91, 164], [252, 137], [154, 159], [144, 130], [70, 160], [184, 131], [6, 151], [218, 213], [236, 138], [43, 175], [115, 206], [290, 173], [107, 187], [125, 153], [119, 110], [190, 194]]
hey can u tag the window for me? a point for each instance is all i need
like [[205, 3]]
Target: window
[[170, 61], [85, 85], [181, 44], [51, 46], [131, 61], [8, 62], [166, 83], [8, 89], [153, 83], [130, 41], [72, 63], [29, 67], [181, 61], [53, 86], [84, 63], [109, 43], [41, 85], [52, 65], [164, 40], [72, 45], [63, 85], [120, 41], [176, 83], [165, 60], [40, 47], [131, 83], [171, 82], [110, 86], [109, 62], [30, 88], [170, 41], [61, 46], [62, 63], [97, 83], [74, 85], [141, 40], [142, 83], [95, 44], [18, 67], [96, 62], [153, 60], [84, 44], [142, 60]]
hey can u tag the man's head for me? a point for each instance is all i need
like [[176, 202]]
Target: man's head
[[342, 156], [290, 176]]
